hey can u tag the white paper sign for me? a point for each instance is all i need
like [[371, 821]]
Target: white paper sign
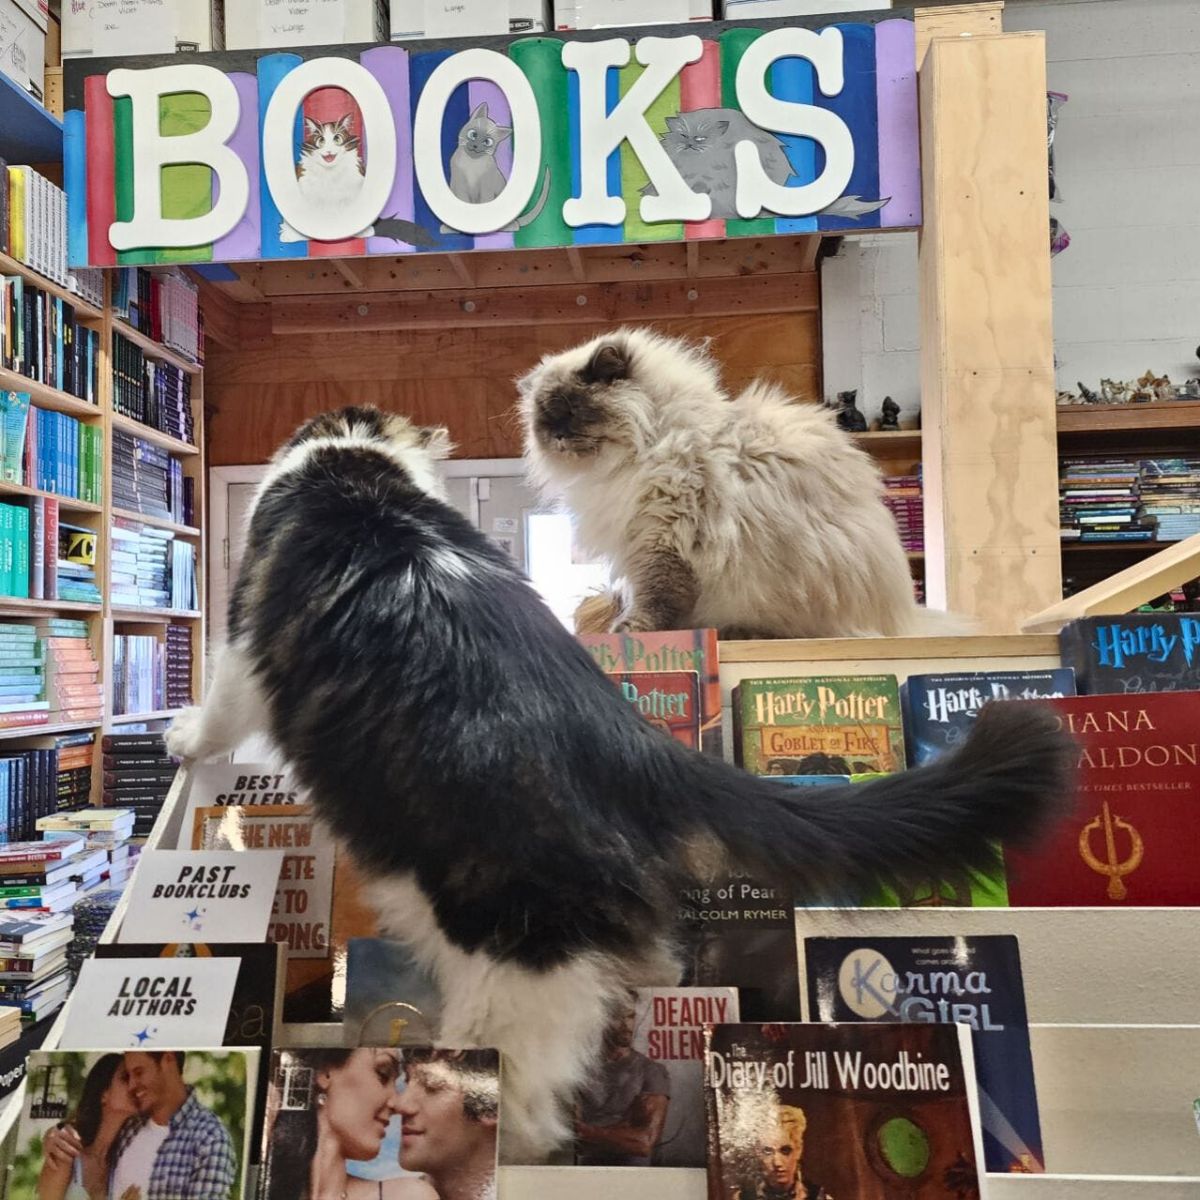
[[221, 784], [149, 1003], [133, 27], [201, 896], [601, 14], [301, 22], [463, 18]]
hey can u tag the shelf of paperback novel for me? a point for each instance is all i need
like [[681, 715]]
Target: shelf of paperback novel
[[156, 437], [155, 350], [185, 531], [84, 311], [161, 714], [66, 503]]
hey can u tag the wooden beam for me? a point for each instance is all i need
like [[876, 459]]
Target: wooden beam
[[987, 352], [578, 270], [458, 265], [693, 259], [1123, 592], [348, 273], [584, 304], [955, 20], [810, 248]]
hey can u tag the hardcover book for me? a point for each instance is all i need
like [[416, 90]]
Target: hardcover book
[[669, 700], [823, 725], [1140, 652], [974, 981], [939, 710], [671, 650], [1131, 837], [87, 1089], [833, 1111], [644, 1105], [412, 1113]]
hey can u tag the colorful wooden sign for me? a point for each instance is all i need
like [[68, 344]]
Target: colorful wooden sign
[[654, 135]]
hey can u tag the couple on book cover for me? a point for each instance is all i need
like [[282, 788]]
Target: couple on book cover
[[331, 1135], [139, 1132]]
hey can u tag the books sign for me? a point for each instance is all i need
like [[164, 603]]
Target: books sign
[[721, 130], [211, 896]]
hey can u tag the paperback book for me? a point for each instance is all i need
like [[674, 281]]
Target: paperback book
[[672, 650], [1131, 837], [1139, 652], [834, 1111], [205, 1097], [644, 1105], [974, 981], [823, 725], [668, 700], [407, 1113]]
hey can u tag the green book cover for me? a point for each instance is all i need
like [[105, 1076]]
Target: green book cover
[[968, 889], [734, 43], [822, 725], [633, 174], [21, 551], [8, 551]]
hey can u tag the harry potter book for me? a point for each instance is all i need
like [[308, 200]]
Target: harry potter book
[[644, 1104], [87, 1088], [1140, 652], [974, 981], [403, 1113], [669, 700], [1135, 824], [823, 725], [834, 1111], [939, 710], [671, 650]]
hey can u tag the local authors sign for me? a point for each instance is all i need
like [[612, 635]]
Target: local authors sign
[[721, 130]]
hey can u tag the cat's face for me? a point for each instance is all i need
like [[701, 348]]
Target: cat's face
[[327, 143], [690, 134], [480, 136], [416, 448]]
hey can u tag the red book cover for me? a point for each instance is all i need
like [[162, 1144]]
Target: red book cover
[[671, 650], [50, 551], [1132, 837], [669, 700]]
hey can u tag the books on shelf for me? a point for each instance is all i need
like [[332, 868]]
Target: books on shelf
[[163, 304], [1137, 652], [147, 480], [48, 450], [42, 339], [151, 568], [137, 775], [1170, 495], [179, 665], [156, 393], [904, 499], [73, 687], [75, 568], [841, 1110]]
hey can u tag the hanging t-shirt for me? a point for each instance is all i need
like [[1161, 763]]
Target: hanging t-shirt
[[136, 1163]]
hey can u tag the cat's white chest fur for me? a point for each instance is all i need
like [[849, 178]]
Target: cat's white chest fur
[[326, 188]]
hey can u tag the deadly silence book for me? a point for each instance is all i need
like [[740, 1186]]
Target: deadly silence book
[[826, 1112], [974, 981]]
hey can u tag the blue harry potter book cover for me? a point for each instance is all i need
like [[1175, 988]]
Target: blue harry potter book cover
[[1139, 652], [972, 981], [939, 710]]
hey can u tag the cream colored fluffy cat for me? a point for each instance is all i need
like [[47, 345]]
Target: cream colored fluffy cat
[[754, 514]]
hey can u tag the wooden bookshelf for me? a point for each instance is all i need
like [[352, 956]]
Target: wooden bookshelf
[[40, 730], [47, 397], [83, 310], [129, 514], [161, 714], [20, 606], [66, 503], [1159, 416], [152, 349], [127, 613], [155, 436]]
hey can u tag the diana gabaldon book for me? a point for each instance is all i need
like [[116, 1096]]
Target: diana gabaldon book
[[644, 1102], [974, 981], [1140, 652], [826, 1112], [1132, 833]]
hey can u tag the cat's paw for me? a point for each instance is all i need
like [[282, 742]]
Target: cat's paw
[[288, 234], [186, 737], [634, 624]]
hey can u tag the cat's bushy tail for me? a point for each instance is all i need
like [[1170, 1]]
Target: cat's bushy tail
[[1009, 781]]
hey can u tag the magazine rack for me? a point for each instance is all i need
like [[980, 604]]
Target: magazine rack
[[1111, 993]]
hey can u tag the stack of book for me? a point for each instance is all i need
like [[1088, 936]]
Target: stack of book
[[35, 783], [49, 450], [74, 769], [179, 666], [41, 338], [137, 775], [185, 593], [902, 495], [33, 953], [139, 674], [14, 550], [36, 229], [73, 687], [10, 1025], [1170, 494], [1099, 501], [75, 570], [107, 830], [22, 678], [163, 304], [142, 476], [141, 555]]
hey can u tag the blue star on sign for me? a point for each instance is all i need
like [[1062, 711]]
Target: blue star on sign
[[143, 1035], [193, 915]]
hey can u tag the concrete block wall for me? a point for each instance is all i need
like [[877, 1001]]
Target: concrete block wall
[[1127, 289]]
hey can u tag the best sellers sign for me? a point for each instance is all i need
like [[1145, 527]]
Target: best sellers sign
[[543, 141]]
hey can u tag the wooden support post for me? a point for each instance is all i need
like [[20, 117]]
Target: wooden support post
[[987, 351]]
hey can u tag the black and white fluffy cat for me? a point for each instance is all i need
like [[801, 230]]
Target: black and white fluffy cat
[[520, 826]]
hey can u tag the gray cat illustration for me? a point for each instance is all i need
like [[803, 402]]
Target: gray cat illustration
[[475, 176], [700, 145]]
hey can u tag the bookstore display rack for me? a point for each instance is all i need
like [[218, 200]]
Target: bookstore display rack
[[134, 530]]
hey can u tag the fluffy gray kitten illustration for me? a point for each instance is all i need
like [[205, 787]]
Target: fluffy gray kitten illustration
[[700, 145], [475, 175]]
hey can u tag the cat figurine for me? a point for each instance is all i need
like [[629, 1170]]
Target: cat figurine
[[753, 514], [475, 175], [700, 144], [515, 821]]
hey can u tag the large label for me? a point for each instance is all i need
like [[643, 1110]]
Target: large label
[[698, 131]]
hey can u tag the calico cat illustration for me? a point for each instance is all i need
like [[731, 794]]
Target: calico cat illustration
[[475, 176], [700, 145]]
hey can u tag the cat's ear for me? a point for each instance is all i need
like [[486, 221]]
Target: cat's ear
[[343, 122], [676, 124], [312, 128], [435, 441], [720, 127], [480, 110], [607, 364], [503, 131]]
